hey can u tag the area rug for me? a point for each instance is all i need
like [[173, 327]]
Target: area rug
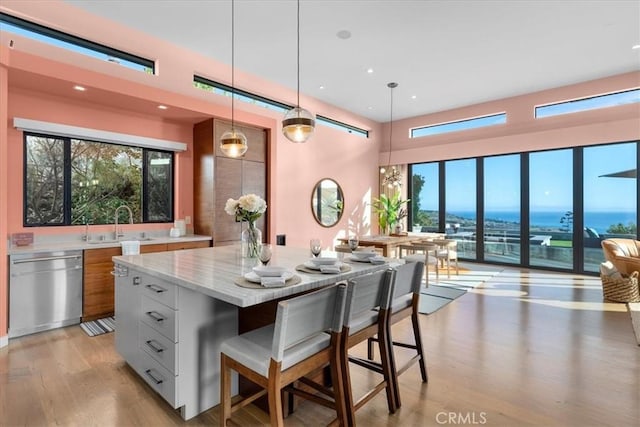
[[99, 327], [634, 312], [435, 297], [438, 294]]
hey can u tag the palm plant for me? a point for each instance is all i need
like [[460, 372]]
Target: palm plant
[[390, 210]]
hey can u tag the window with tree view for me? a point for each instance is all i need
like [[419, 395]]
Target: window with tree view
[[71, 182]]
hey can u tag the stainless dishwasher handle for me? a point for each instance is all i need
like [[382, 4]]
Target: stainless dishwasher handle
[[150, 375], [49, 258], [53, 270], [155, 316]]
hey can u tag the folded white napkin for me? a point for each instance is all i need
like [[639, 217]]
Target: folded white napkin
[[330, 269], [608, 269], [377, 260], [272, 282]]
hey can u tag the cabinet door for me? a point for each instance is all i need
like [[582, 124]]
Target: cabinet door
[[228, 185], [127, 313], [98, 295], [188, 245], [156, 247]]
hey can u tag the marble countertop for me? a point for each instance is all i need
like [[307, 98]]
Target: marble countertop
[[78, 244], [212, 271]]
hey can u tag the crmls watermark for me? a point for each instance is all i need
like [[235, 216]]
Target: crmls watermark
[[461, 418]]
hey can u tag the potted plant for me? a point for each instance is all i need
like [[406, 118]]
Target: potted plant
[[390, 210]]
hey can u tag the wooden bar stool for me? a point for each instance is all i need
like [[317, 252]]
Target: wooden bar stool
[[405, 303], [296, 345], [366, 314]]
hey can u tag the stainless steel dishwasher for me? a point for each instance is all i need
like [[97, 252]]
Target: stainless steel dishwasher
[[45, 291]]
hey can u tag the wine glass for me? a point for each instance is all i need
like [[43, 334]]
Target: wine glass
[[265, 254], [316, 247], [353, 243]]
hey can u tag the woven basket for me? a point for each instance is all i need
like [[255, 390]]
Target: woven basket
[[621, 290]]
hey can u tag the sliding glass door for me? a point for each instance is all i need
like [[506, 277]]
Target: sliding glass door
[[502, 209], [460, 205], [610, 198]]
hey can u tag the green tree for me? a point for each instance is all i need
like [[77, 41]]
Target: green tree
[[566, 222], [620, 228], [418, 182]]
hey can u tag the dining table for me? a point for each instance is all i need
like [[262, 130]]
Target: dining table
[[387, 243]]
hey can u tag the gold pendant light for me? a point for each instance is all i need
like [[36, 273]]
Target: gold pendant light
[[233, 142], [298, 124]]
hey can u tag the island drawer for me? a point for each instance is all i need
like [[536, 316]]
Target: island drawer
[[158, 378], [159, 347], [159, 290], [160, 317]]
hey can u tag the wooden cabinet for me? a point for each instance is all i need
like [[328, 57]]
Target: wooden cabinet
[[176, 246], [98, 289], [97, 294], [171, 337], [218, 178]]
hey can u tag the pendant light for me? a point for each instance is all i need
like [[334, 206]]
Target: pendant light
[[391, 175], [233, 142], [298, 124]]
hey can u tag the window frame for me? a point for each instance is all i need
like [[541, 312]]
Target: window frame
[[502, 114], [67, 184], [576, 102]]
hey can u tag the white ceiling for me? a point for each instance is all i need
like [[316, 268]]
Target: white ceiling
[[446, 53]]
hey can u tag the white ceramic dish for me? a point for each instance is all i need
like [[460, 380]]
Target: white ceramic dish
[[313, 266], [254, 278], [269, 271], [364, 254], [323, 261]]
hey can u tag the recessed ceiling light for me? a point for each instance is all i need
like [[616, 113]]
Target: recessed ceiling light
[[637, 46], [344, 34], [79, 88], [321, 87], [370, 70], [369, 107], [162, 107], [414, 96]]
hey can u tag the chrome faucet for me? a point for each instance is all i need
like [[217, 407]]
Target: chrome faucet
[[116, 233]]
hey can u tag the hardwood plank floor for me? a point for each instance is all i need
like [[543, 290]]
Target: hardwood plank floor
[[526, 349]]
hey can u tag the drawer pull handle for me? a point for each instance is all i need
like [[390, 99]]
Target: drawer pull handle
[[155, 316], [155, 347], [154, 379], [156, 288]]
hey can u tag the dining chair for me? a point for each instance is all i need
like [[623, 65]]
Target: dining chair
[[425, 252], [304, 338], [366, 314], [448, 252], [344, 248], [405, 303]]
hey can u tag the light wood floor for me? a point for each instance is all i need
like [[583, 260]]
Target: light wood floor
[[529, 348]]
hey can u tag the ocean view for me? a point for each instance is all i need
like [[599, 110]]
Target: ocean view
[[599, 221]]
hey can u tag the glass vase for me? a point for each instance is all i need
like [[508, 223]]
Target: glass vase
[[251, 241]]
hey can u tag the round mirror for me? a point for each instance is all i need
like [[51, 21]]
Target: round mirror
[[327, 202]]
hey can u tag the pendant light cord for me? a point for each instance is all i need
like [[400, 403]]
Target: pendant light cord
[[233, 84], [391, 86], [298, 35]]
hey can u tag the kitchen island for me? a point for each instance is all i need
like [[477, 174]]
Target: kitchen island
[[174, 309]]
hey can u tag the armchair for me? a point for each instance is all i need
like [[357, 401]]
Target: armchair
[[624, 254]]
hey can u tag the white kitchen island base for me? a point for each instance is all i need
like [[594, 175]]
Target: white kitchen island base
[[171, 337]]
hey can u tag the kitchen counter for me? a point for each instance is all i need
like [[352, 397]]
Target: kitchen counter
[[211, 271], [78, 244]]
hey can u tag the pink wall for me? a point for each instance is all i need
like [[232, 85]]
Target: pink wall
[[4, 201], [522, 132]]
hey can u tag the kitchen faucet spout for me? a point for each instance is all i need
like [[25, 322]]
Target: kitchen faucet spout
[[128, 209]]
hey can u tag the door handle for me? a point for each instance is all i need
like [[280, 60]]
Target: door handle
[[155, 288]]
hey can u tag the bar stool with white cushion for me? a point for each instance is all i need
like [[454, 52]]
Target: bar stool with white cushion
[[366, 314], [405, 303], [296, 345]]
